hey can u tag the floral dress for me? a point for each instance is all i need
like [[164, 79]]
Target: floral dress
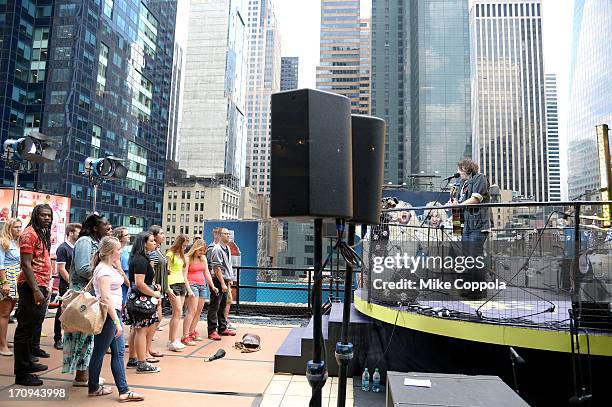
[[78, 346]]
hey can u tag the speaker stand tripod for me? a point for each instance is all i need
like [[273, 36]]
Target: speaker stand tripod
[[316, 371]]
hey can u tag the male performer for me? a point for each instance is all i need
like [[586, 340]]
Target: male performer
[[474, 190]]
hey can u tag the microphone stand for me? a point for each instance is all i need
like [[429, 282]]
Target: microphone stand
[[515, 359]]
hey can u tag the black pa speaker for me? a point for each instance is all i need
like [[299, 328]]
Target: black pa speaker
[[368, 168], [311, 174]]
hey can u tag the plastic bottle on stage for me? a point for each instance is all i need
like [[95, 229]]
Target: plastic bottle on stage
[[365, 380], [376, 381]]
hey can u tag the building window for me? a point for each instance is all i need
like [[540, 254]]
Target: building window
[[62, 53]]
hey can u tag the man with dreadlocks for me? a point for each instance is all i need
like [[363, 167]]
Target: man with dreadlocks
[[33, 288]]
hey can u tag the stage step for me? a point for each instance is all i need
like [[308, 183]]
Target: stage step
[[288, 358], [295, 352]]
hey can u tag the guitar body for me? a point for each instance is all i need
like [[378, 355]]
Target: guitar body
[[457, 213]]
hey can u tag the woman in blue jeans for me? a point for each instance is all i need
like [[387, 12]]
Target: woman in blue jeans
[[107, 282]]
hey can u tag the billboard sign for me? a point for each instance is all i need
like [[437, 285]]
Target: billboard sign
[[28, 200]]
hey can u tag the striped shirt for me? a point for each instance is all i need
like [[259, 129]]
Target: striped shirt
[[154, 257]]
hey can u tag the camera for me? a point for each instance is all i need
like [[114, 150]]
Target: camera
[[389, 202]]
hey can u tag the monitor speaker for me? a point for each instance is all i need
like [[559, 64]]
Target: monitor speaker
[[311, 156], [368, 168]]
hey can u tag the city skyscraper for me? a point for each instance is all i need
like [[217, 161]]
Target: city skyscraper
[[213, 127], [175, 108], [509, 120], [589, 98], [339, 69], [421, 86], [264, 75], [552, 137], [94, 79], [365, 39], [289, 73]]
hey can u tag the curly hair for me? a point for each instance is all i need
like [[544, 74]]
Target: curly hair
[[468, 166]]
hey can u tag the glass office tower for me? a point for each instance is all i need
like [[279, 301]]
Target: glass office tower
[[421, 86], [590, 101], [95, 76]]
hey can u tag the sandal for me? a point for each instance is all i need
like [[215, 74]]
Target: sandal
[[130, 396], [152, 360], [102, 391], [156, 354]]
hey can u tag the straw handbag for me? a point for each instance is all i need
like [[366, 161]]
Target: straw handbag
[[82, 312]]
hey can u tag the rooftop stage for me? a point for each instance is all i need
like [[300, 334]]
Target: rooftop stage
[[554, 262]]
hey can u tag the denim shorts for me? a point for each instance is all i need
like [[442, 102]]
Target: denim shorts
[[179, 289], [199, 290]]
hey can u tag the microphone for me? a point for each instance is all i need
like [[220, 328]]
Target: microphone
[[455, 175], [220, 353]]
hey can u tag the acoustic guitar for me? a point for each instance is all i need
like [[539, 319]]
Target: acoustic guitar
[[456, 212]]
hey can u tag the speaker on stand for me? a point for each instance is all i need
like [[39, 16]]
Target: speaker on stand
[[368, 137], [310, 178]]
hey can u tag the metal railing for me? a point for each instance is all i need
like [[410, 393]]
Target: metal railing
[[283, 290]]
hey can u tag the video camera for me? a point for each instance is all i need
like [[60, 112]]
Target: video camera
[[389, 202], [380, 232]]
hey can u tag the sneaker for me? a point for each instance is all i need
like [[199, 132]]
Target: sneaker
[[214, 336], [37, 367], [188, 340], [176, 346], [144, 367], [40, 353], [34, 359], [132, 364], [59, 345], [228, 332], [29, 380], [195, 335]]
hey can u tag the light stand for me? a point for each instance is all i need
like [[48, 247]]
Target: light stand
[[99, 169], [15, 167], [33, 148]]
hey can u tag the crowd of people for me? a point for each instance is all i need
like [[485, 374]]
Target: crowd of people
[[94, 255]]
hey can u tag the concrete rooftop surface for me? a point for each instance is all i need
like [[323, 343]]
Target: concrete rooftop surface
[[237, 380]]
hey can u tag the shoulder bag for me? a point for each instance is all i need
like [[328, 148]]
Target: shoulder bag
[[83, 312], [140, 306]]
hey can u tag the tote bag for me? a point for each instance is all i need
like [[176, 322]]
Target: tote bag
[[82, 312]]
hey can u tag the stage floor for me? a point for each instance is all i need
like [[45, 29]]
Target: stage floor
[[537, 319], [513, 305]]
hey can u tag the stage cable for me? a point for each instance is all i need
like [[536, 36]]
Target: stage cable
[[399, 309]]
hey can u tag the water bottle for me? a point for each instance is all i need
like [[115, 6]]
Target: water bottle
[[376, 381], [365, 380]]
